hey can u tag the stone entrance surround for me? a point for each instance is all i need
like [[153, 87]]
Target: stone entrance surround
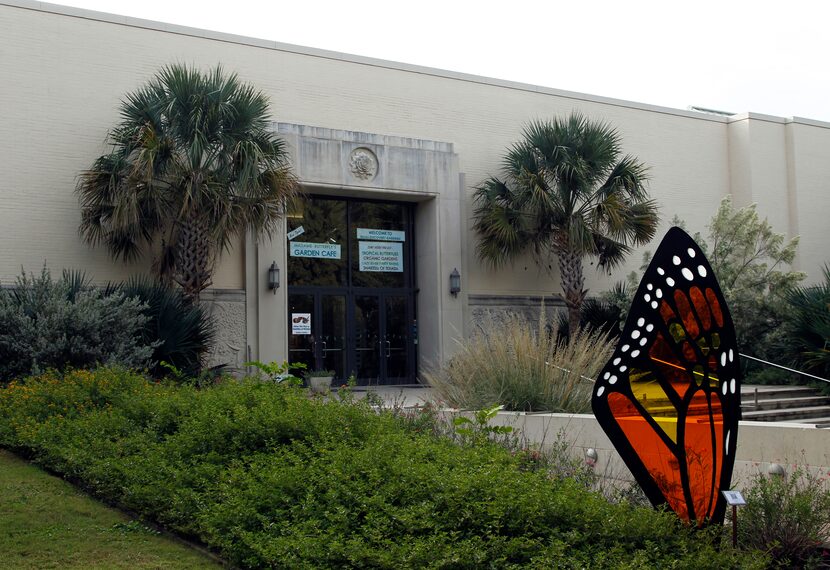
[[369, 166]]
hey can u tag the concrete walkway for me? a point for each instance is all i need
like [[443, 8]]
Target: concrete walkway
[[398, 396]]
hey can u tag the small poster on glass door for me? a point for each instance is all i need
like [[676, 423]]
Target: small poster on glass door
[[300, 323]]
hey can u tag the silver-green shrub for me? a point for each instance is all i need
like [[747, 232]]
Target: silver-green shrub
[[46, 323]]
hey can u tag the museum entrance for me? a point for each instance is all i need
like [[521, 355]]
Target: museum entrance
[[351, 295]]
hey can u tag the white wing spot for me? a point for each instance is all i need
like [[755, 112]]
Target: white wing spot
[[612, 380], [732, 385], [606, 376], [687, 273], [701, 270], [650, 327], [675, 260], [654, 304], [723, 359], [623, 368], [731, 355], [643, 341], [659, 293], [635, 353], [625, 348], [661, 271], [635, 334], [649, 286], [691, 252], [647, 297], [726, 443], [617, 360], [670, 281], [601, 391], [641, 321], [725, 388]]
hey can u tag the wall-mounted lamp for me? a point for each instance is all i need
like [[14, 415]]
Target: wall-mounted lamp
[[776, 470], [591, 457], [455, 282], [274, 277]]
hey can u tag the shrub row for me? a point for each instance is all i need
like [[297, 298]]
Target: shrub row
[[272, 478]]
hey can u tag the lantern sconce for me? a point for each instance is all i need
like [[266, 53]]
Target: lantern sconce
[[776, 470], [591, 457], [455, 282], [274, 277]]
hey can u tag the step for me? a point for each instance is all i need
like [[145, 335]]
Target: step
[[790, 414], [785, 403], [774, 392]]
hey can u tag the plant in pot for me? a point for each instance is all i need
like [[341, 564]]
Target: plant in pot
[[320, 380]]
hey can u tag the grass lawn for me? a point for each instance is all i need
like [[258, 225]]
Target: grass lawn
[[47, 523]]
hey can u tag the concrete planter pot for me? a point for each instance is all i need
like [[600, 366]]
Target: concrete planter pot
[[320, 384]]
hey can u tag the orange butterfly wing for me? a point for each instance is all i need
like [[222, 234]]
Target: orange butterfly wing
[[669, 397]]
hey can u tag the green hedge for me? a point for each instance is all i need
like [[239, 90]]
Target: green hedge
[[271, 478]]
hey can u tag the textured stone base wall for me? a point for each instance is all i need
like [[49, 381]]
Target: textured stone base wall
[[230, 347], [486, 307]]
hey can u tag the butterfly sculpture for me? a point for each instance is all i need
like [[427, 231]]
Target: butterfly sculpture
[[669, 397]]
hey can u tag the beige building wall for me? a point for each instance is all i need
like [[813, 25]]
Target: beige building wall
[[63, 72]]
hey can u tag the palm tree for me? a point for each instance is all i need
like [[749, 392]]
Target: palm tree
[[193, 166], [565, 192], [809, 324]]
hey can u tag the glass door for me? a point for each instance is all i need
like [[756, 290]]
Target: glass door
[[397, 325], [367, 339], [317, 332], [332, 335], [351, 288]]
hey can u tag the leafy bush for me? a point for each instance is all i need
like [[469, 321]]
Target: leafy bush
[[788, 516], [53, 324], [272, 478], [522, 367], [751, 262], [181, 331]]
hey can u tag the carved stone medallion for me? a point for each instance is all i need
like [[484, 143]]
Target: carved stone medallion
[[363, 164]]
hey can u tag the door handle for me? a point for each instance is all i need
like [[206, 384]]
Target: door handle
[[388, 349], [325, 346]]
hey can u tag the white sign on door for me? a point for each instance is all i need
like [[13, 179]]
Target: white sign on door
[[309, 249], [300, 323], [382, 235], [381, 257], [296, 232]]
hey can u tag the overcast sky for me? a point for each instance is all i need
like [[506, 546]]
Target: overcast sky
[[731, 55]]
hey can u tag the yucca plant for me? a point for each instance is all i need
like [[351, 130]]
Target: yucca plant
[[522, 366], [809, 322], [183, 330], [597, 315]]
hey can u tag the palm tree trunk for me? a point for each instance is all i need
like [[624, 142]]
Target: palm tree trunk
[[194, 256], [570, 273]]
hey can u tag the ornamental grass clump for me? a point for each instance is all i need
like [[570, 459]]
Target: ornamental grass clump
[[523, 367]]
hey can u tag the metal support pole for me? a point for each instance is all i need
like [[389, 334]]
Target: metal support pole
[[734, 526]]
